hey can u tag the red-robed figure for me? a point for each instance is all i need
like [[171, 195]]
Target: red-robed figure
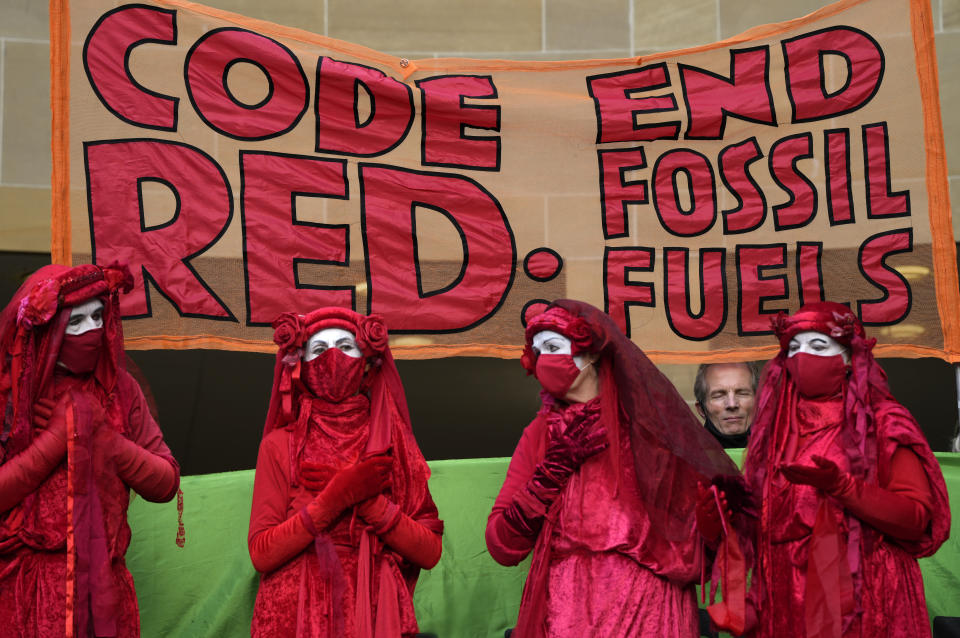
[[77, 435], [848, 490], [602, 488], [342, 520]]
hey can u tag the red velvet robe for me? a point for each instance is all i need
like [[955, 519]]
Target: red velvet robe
[[605, 569], [33, 534], [889, 602], [296, 600]]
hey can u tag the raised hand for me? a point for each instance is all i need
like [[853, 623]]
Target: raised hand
[[573, 440], [823, 475], [359, 482]]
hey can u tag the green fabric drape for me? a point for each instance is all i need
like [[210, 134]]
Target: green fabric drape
[[208, 588]]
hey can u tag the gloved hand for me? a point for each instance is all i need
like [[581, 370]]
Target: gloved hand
[[902, 510], [709, 522], [824, 475], [412, 540], [348, 487], [315, 476], [151, 476], [23, 473], [42, 411], [573, 440]]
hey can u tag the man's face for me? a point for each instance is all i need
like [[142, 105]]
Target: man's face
[[730, 397]]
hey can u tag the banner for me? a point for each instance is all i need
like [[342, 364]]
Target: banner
[[244, 169]]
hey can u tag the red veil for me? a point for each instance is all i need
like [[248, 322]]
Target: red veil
[[671, 449], [670, 452]]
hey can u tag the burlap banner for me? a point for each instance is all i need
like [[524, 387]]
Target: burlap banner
[[244, 169]]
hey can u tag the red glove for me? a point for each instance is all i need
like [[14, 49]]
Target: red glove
[[152, 477], [42, 411], [573, 441], [825, 475], [412, 540], [709, 522], [900, 510], [315, 476], [22, 474], [348, 487]]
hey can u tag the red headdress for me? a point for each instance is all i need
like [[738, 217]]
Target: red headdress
[[31, 330], [381, 380]]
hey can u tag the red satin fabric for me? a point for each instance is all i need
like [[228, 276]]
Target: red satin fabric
[[33, 559], [603, 568], [823, 572], [296, 599]]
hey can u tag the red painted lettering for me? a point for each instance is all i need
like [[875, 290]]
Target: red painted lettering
[[712, 98], [446, 116], [115, 170], [805, 58], [619, 293], [339, 127], [208, 66], [707, 323], [701, 198], [391, 196], [276, 243], [617, 109], [105, 55]]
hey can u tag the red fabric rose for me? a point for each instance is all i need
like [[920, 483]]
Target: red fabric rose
[[372, 335], [580, 336], [288, 331], [40, 305], [528, 360], [118, 276]]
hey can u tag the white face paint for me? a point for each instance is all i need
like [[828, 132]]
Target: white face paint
[[85, 317], [818, 344], [550, 342], [328, 338]]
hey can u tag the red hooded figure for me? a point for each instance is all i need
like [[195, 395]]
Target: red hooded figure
[[342, 520], [77, 434], [850, 494], [602, 488]]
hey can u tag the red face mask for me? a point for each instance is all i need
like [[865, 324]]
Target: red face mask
[[556, 373], [333, 375], [80, 353], [817, 376]]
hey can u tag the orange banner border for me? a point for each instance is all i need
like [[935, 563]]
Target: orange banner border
[[947, 281]]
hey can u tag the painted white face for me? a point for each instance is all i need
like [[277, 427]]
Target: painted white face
[[818, 344], [327, 338], [550, 342], [85, 317]]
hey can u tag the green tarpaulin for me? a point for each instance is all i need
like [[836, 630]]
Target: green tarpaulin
[[208, 587]]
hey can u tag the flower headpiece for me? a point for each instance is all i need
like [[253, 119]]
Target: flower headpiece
[[826, 317], [291, 331]]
